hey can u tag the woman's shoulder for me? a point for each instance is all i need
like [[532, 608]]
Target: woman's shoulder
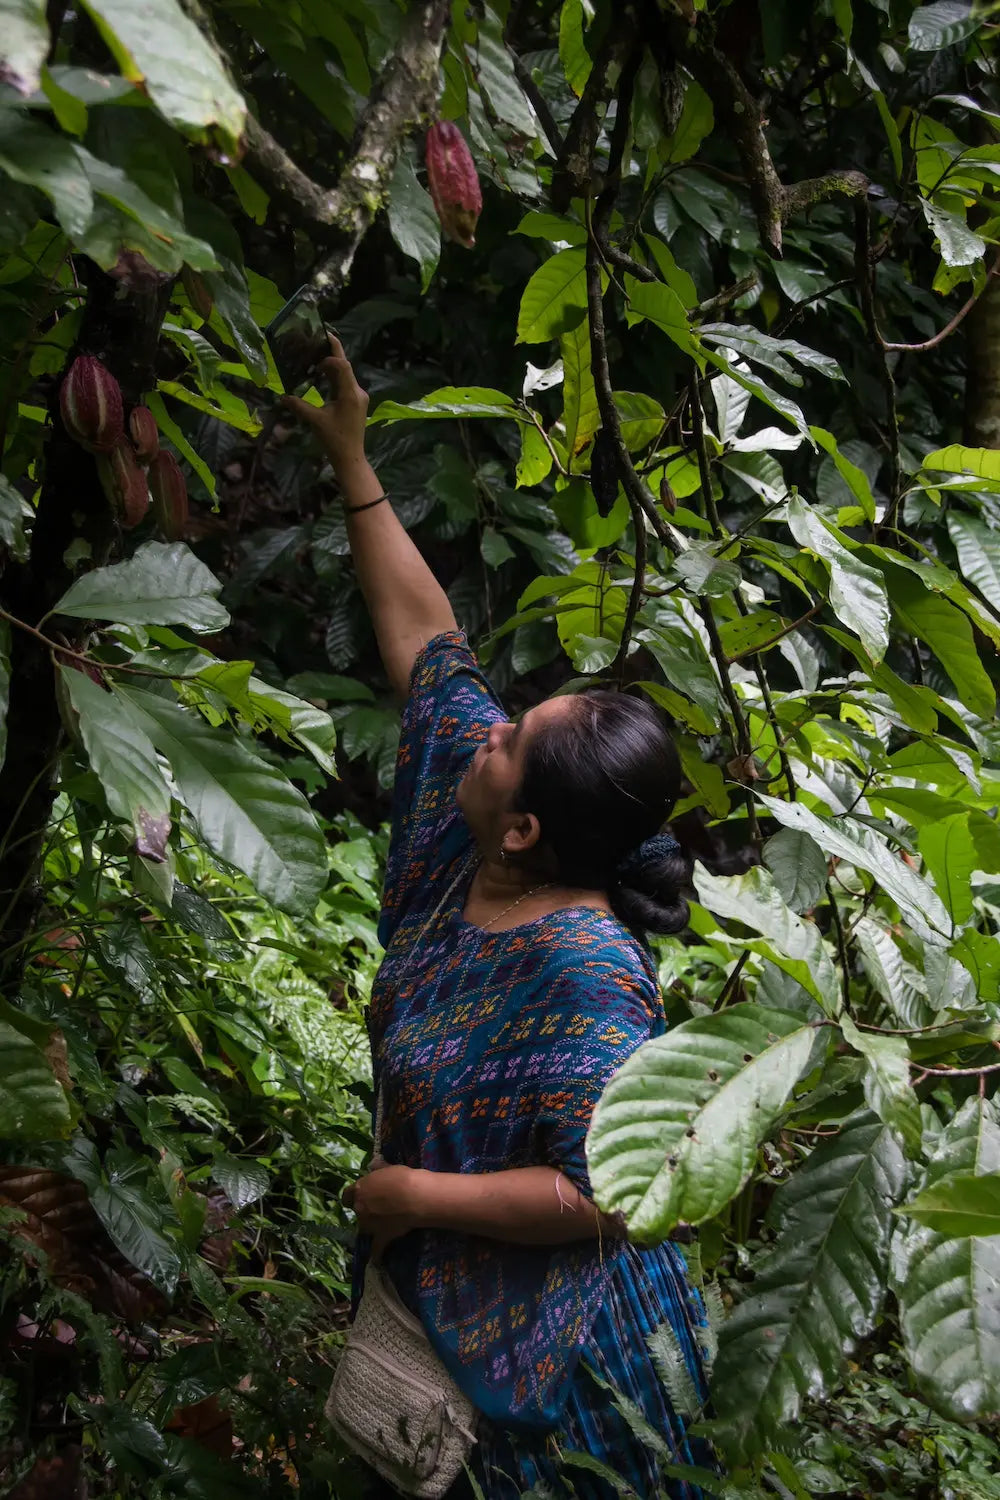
[[587, 955]]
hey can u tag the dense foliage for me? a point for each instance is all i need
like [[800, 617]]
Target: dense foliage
[[710, 409]]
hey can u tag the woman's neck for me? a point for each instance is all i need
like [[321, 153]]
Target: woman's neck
[[497, 886]]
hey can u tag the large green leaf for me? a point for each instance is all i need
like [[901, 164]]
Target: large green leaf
[[581, 418], [162, 584], [413, 222], [942, 24], [247, 812], [660, 305], [134, 1223], [799, 867], [573, 52], [983, 463], [958, 244], [48, 161], [850, 840], [949, 853], [33, 1106], [450, 401], [857, 592], [24, 44], [816, 1293], [793, 944], [157, 45], [961, 1206], [887, 1085], [978, 548], [901, 986], [855, 478], [124, 760], [948, 1306], [676, 1132], [695, 123], [555, 299], [947, 632]]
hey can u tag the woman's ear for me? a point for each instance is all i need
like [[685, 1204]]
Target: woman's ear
[[521, 836]]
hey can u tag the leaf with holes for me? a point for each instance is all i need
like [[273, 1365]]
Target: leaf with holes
[[816, 1293], [946, 1286], [676, 1132]]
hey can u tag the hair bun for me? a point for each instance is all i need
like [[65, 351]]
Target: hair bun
[[649, 886]]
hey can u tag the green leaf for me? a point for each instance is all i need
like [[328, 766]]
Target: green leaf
[[795, 945], [23, 44], [902, 987], [450, 401], [706, 574], [41, 158], [675, 1134], [950, 856], [799, 867], [857, 592], [14, 511], [958, 244], [850, 840], [581, 418], [856, 479], [156, 44], [573, 52], [642, 418], [134, 1223], [232, 315], [497, 79], [124, 761], [748, 633], [674, 275], [843, 14], [535, 462], [696, 121], [494, 547], [816, 1293], [162, 584], [960, 1206], [757, 387], [888, 1090], [650, 301], [552, 227], [33, 1106], [947, 632], [413, 221], [978, 548], [948, 1311], [983, 463], [247, 812], [943, 24], [243, 1182], [164, 241], [555, 299]]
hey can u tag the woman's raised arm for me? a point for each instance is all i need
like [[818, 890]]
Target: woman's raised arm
[[408, 606]]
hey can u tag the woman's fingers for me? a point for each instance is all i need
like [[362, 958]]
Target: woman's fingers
[[299, 407]]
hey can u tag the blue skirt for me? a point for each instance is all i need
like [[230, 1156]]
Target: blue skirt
[[649, 1297]]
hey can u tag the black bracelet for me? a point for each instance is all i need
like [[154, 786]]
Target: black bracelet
[[353, 510]]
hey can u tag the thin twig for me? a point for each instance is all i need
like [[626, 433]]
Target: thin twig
[[956, 321], [773, 640]]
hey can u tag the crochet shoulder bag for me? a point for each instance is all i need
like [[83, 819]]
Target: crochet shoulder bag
[[392, 1400]]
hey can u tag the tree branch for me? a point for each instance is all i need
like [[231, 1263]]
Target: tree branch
[[405, 97]]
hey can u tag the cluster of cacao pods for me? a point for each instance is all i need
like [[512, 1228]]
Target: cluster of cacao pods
[[454, 183], [132, 467]]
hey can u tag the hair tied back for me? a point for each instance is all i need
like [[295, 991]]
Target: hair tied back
[[660, 846]]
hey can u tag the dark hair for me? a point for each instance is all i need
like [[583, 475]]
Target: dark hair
[[601, 781]]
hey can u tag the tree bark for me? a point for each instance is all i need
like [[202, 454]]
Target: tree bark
[[982, 371]]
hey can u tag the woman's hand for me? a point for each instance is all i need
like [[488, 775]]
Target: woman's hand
[[340, 424], [387, 1202]]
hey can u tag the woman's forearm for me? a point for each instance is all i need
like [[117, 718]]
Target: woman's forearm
[[407, 604], [524, 1206]]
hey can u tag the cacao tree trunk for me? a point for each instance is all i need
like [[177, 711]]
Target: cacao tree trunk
[[121, 325], [981, 428]]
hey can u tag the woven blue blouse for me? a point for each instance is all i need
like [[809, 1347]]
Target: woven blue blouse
[[491, 1050]]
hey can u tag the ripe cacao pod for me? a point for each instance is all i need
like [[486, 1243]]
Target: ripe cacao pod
[[168, 488], [604, 472], [454, 184], [124, 483], [90, 401], [145, 437]]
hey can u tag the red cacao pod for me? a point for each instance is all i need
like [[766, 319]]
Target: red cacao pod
[[454, 185], [145, 437], [168, 488], [124, 483], [90, 401]]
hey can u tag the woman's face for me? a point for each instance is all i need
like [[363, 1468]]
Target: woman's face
[[488, 790]]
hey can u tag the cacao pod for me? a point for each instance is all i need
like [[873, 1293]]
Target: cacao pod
[[124, 484], [90, 401], [604, 472], [145, 437], [198, 294], [454, 184], [168, 488]]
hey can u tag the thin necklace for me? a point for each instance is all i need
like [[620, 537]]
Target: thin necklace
[[546, 885]]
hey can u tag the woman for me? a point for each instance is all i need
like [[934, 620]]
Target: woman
[[522, 866]]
